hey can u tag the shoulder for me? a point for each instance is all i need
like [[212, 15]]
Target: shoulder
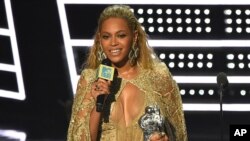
[[88, 74], [161, 69]]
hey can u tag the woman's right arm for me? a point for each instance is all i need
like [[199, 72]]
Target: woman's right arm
[[82, 106]]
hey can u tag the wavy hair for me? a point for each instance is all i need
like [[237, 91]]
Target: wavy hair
[[144, 59]]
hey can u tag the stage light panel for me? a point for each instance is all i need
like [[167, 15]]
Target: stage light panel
[[16, 67], [203, 25]]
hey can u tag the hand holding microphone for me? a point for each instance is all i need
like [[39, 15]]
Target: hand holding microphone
[[100, 88]]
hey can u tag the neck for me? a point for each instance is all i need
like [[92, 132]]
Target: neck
[[127, 71]]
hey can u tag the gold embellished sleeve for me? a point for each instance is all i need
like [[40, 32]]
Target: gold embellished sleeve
[[172, 103], [83, 104]]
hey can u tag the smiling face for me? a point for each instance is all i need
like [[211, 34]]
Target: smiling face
[[116, 39]]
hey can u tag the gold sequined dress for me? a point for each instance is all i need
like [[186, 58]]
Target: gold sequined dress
[[148, 87]]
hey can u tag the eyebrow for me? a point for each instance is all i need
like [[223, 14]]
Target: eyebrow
[[115, 32]]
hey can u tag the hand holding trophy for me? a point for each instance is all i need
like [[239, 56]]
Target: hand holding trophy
[[152, 123]]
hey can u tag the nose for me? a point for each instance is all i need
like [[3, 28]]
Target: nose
[[113, 41]]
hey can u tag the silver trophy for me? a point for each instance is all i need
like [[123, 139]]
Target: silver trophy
[[152, 121]]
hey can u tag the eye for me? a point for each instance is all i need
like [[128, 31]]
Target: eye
[[122, 35], [105, 36]]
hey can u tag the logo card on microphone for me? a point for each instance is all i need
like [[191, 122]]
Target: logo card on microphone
[[106, 72], [239, 132]]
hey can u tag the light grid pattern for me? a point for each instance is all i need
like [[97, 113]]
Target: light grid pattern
[[16, 67], [71, 43]]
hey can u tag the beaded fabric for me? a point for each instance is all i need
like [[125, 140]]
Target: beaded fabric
[[148, 87]]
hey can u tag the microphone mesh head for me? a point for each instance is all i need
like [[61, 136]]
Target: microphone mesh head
[[222, 79], [106, 62]]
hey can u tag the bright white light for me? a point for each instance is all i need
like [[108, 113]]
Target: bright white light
[[161, 29], [169, 11], [243, 92], [208, 29], [238, 12], [197, 20], [201, 92], [230, 56], [4, 32], [199, 64], [150, 11], [200, 56], [188, 11], [198, 29], [141, 20], [238, 29], [190, 64], [20, 95], [229, 29], [248, 65], [211, 92], [151, 29], [179, 29], [210, 56], [231, 65], [140, 11], [162, 56], [248, 56], [155, 2], [228, 21], [181, 56], [241, 65], [180, 64], [150, 20], [248, 21], [182, 92], [248, 29], [13, 135], [191, 92], [159, 20], [216, 107], [240, 56], [188, 20], [190, 56], [197, 11], [178, 43], [206, 11], [159, 11], [171, 64], [247, 12], [209, 64], [178, 20], [178, 11], [169, 20], [207, 20], [170, 29], [228, 12], [238, 21], [171, 55], [189, 29]]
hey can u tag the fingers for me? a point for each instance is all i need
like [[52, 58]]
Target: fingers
[[100, 87], [158, 136]]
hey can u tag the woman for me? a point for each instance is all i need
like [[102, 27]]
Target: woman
[[146, 95]]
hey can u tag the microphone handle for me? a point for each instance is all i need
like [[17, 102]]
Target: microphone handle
[[100, 102]]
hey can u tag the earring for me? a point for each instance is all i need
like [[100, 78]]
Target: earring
[[133, 54], [100, 54]]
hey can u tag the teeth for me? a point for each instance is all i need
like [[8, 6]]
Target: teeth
[[115, 50]]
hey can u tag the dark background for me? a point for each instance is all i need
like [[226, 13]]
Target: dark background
[[44, 114]]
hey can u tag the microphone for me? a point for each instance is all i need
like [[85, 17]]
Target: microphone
[[222, 80], [222, 83], [106, 72]]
